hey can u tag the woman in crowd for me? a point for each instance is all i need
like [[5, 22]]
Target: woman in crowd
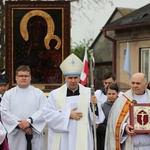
[[112, 94]]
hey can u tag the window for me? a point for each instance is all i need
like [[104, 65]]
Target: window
[[145, 59]]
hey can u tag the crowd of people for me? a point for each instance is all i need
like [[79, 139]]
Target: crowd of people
[[70, 112]]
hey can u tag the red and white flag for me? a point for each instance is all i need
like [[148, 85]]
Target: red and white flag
[[85, 71]]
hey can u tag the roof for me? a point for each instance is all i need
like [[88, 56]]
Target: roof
[[123, 11], [137, 17]]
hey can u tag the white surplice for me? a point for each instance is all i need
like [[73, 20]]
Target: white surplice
[[136, 142], [59, 121], [100, 96], [20, 104]]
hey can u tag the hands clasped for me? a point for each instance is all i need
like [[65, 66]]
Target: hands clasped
[[25, 126]]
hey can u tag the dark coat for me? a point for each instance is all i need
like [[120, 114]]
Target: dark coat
[[100, 131]]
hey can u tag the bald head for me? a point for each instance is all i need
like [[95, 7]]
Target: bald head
[[140, 76], [138, 83]]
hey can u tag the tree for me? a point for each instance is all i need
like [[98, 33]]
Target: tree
[[80, 7], [79, 49]]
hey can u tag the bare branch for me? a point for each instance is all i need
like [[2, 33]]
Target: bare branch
[[82, 7]]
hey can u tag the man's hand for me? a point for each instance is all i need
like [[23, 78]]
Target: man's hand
[[129, 129], [28, 131], [75, 115], [93, 100], [23, 124]]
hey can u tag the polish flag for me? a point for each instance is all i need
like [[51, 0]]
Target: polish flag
[[85, 70]]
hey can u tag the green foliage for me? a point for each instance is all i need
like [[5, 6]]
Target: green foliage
[[79, 49]]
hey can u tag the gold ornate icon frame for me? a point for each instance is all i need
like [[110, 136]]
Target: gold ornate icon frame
[[38, 35]]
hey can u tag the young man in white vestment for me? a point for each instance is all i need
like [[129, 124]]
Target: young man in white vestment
[[108, 78], [21, 112], [68, 112], [120, 134]]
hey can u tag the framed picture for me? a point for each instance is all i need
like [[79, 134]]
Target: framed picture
[[140, 117], [37, 35]]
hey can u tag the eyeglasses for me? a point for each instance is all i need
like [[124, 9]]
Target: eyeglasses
[[21, 76]]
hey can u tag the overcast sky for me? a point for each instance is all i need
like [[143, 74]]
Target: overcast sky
[[82, 28]]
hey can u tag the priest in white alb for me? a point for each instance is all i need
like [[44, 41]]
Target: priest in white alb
[[120, 133], [21, 112], [68, 111]]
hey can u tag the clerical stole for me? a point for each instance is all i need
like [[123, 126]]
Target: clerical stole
[[123, 113], [82, 124]]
